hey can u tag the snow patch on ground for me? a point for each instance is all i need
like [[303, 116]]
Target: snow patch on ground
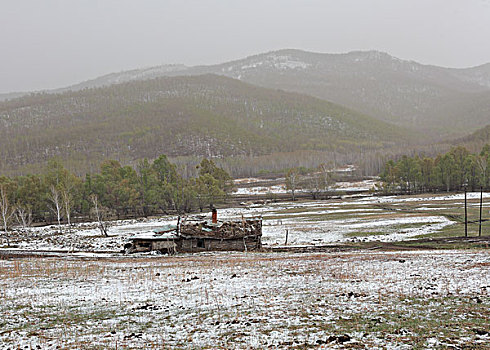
[[309, 222], [344, 186], [280, 62], [275, 189], [239, 300]]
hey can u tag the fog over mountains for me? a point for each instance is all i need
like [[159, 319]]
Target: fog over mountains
[[434, 99], [281, 101], [196, 116]]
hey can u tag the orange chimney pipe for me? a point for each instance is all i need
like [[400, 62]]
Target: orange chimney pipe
[[214, 216]]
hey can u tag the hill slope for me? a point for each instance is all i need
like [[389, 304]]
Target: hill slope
[[475, 141], [407, 93], [441, 100], [207, 115]]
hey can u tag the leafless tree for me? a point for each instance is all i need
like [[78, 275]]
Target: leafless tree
[[67, 205], [313, 185], [326, 174], [23, 215], [55, 198], [6, 211], [98, 214], [292, 178]]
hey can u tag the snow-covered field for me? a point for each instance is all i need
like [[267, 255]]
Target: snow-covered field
[[272, 189], [429, 299], [244, 186], [365, 218]]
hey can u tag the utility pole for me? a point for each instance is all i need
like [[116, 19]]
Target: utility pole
[[481, 205], [465, 213]]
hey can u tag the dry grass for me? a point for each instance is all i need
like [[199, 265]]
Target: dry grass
[[254, 300]]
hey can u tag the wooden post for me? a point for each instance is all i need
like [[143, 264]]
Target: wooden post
[[287, 232], [465, 214], [481, 205]]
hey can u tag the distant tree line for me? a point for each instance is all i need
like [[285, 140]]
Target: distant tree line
[[116, 191], [316, 182], [451, 171]]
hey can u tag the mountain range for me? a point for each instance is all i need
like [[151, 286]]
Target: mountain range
[[281, 101], [434, 100], [201, 116]]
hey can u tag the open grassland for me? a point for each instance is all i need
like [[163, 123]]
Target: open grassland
[[371, 218], [403, 300]]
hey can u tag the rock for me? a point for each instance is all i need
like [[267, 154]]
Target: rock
[[339, 339], [480, 331], [343, 338], [331, 338]]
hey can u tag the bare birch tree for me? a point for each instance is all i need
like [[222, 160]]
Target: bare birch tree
[[6, 211], [23, 215], [67, 205], [98, 214], [55, 198]]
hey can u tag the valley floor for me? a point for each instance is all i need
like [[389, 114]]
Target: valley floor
[[99, 298], [352, 219]]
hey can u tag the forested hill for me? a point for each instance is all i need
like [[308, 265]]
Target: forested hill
[[436, 100], [476, 140], [430, 98], [211, 116]]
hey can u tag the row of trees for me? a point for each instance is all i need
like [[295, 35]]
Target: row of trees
[[115, 191], [316, 183], [451, 171]]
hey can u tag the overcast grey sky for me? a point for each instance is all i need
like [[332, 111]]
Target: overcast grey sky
[[54, 43]]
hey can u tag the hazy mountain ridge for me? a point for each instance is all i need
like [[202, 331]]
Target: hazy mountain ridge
[[479, 75], [207, 115], [358, 63], [476, 140], [407, 93], [377, 84], [391, 89], [126, 76], [12, 95]]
